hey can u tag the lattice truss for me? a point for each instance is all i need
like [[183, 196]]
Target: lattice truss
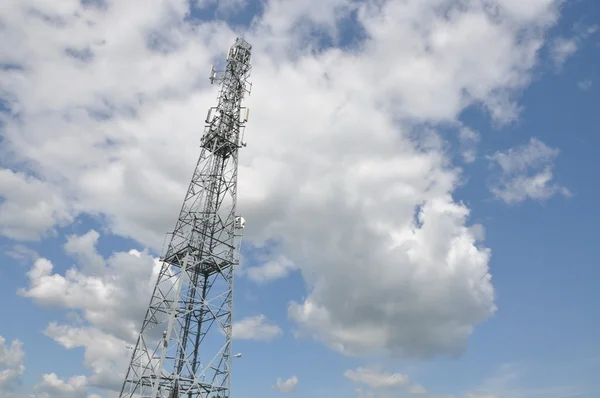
[[184, 348]]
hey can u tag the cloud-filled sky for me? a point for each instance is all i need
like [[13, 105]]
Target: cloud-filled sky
[[419, 187]]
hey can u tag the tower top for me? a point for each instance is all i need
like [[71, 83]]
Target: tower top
[[225, 122]]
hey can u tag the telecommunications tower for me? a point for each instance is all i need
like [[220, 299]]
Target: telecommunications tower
[[184, 347]]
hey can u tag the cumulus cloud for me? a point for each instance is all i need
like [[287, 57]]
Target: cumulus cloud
[[110, 299], [52, 386], [103, 296], [31, 208], [526, 173], [104, 108], [83, 249], [255, 328], [286, 386], [424, 302], [12, 366]]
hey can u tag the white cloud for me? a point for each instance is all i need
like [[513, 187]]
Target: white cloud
[[562, 49], [105, 355], [507, 381], [333, 170], [376, 379], [83, 248], [31, 207], [22, 254], [517, 160], [255, 328], [12, 366], [468, 142], [537, 187], [286, 386], [110, 298], [52, 386], [526, 173], [271, 270], [540, 10], [382, 384]]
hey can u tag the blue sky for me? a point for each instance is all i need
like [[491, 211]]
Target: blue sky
[[327, 105]]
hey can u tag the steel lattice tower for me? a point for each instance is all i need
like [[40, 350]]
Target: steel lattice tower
[[184, 347]]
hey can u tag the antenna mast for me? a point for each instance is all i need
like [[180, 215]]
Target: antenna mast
[[184, 347]]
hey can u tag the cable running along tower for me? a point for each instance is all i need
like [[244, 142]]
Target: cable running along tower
[[184, 348]]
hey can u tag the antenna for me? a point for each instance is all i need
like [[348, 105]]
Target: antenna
[[184, 347]]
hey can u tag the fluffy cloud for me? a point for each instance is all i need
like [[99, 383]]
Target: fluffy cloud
[[104, 107], [12, 359], [12, 366], [51, 386], [426, 286], [31, 207], [107, 298], [286, 386], [255, 328], [526, 173]]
